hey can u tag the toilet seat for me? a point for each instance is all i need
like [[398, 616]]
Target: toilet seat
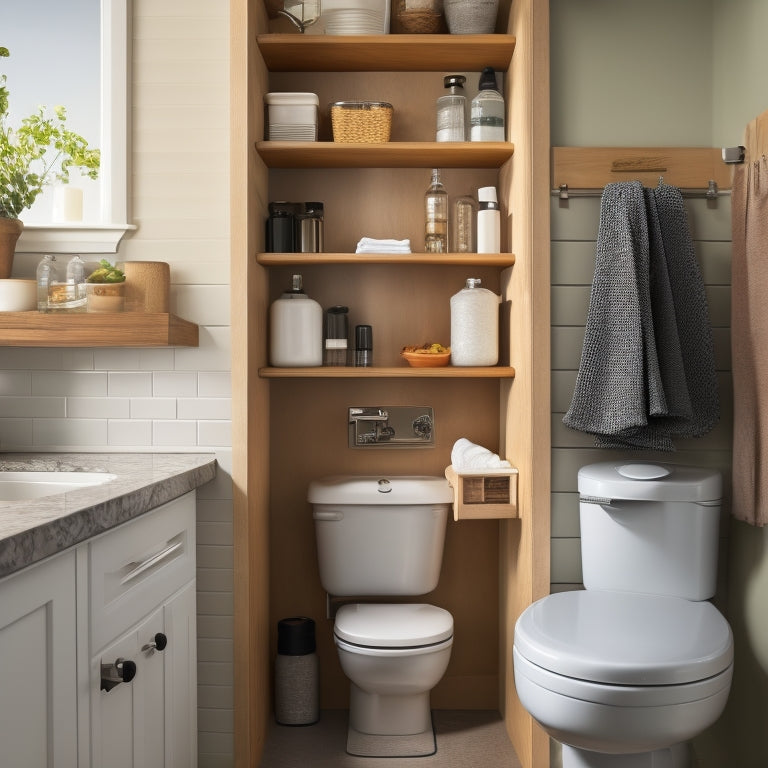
[[393, 626], [625, 639]]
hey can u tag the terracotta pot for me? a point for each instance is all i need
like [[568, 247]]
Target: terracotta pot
[[10, 229]]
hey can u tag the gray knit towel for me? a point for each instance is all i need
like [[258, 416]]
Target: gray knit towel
[[647, 367]]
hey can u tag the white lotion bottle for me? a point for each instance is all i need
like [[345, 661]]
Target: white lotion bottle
[[474, 325], [488, 221], [296, 329]]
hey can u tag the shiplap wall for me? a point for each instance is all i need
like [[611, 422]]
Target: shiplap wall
[[574, 233], [162, 399]]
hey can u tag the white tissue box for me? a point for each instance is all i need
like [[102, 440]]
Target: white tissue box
[[484, 493]]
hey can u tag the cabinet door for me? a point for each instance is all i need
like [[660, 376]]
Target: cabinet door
[[38, 634], [150, 722]]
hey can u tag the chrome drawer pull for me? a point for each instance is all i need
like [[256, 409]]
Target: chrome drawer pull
[[139, 568]]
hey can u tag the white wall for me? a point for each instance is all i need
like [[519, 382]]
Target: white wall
[[176, 399]]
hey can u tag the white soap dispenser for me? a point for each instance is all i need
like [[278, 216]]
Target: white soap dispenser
[[488, 221], [296, 329]]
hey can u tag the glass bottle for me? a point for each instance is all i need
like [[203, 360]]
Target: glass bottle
[[463, 225], [452, 109], [436, 216], [487, 110], [76, 292], [47, 274]]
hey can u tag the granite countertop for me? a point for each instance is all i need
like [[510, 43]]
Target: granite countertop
[[33, 530]]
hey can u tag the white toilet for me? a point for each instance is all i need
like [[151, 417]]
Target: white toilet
[[379, 537], [626, 672]]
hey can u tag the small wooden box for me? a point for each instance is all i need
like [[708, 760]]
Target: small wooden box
[[486, 494]]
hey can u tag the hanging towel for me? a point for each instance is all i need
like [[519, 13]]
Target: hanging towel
[[749, 326], [638, 386]]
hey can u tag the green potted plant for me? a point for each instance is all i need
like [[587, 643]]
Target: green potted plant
[[42, 150], [105, 288]]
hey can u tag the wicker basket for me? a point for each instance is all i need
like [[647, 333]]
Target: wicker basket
[[362, 122]]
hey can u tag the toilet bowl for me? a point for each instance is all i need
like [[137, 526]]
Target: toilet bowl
[[393, 656], [383, 536], [625, 672], [620, 673]]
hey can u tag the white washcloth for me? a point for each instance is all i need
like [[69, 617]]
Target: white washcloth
[[371, 245], [467, 455]]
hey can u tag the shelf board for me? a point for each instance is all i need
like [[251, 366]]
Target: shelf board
[[394, 154], [117, 329], [385, 53], [397, 372], [500, 260]]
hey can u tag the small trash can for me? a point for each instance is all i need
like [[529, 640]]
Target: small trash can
[[297, 674]]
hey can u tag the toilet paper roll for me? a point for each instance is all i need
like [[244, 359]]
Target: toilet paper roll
[[147, 286]]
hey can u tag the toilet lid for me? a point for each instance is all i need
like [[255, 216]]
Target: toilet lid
[[624, 638], [406, 625]]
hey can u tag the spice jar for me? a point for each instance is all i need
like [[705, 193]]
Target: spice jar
[[418, 17]]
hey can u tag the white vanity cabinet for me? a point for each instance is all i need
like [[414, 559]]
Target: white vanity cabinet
[[98, 650], [142, 619], [38, 674]]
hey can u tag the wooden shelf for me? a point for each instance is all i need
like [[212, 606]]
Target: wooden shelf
[[395, 154], [119, 329], [500, 260], [334, 372], [385, 53], [483, 494]]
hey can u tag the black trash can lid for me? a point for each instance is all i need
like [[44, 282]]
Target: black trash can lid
[[296, 636]]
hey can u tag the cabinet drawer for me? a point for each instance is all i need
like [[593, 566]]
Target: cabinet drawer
[[138, 565]]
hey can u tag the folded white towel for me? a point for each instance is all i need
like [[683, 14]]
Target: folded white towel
[[371, 245], [467, 455]]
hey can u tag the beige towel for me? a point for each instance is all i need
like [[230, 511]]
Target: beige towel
[[749, 327]]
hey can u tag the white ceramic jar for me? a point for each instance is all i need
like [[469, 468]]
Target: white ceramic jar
[[296, 329], [474, 325]]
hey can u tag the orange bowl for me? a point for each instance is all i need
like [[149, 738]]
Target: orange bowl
[[426, 359]]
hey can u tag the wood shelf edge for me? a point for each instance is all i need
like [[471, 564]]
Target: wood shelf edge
[[285, 52], [437, 259], [349, 372], [118, 329], [393, 154]]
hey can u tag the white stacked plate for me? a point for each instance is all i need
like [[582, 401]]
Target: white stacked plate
[[292, 132]]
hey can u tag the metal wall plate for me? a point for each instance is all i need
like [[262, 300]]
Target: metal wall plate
[[391, 426]]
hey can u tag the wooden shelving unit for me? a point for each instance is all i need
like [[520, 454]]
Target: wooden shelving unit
[[118, 329], [404, 295]]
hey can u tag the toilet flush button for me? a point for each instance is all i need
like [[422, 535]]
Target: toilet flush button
[[385, 486], [643, 471]]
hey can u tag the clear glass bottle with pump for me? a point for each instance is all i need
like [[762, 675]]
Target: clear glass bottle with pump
[[486, 116], [436, 216], [452, 110]]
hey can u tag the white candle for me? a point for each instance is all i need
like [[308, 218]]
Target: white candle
[[67, 203]]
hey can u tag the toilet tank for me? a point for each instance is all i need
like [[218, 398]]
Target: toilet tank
[[380, 535], [650, 528]]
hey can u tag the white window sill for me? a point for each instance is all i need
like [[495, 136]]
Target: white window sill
[[72, 238]]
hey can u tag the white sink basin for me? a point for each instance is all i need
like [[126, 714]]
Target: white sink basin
[[21, 486]]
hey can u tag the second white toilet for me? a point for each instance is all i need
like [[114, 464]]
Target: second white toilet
[[628, 670]]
